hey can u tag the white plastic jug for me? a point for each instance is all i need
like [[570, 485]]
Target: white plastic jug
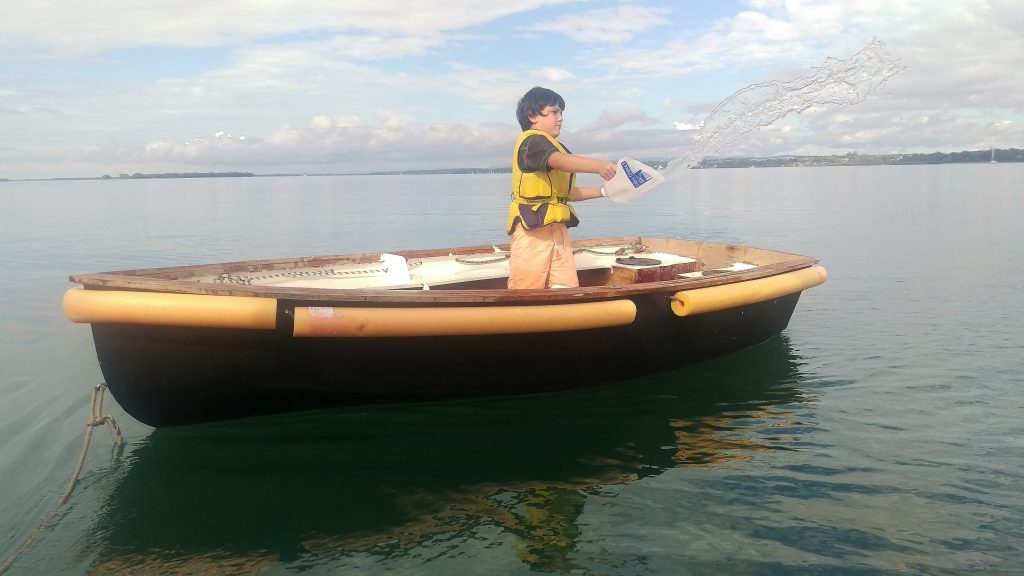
[[632, 178]]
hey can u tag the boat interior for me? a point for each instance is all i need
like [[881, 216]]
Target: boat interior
[[608, 262]]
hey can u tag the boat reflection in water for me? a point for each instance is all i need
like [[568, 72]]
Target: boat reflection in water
[[376, 485]]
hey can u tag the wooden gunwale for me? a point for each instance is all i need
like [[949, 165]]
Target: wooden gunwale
[[713, 254]]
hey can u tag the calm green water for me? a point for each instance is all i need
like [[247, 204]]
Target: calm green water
[[879, 434]]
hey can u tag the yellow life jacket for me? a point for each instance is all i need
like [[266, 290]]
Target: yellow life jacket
[[542, 197]]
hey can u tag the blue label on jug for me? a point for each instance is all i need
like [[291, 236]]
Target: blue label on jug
[[637, 178]]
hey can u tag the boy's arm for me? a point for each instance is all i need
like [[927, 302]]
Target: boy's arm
[[578, 193], [574, 163]]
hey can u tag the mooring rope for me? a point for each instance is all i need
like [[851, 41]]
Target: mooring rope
[[96, 418]]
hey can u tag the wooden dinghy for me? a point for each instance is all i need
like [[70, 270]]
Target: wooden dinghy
[[199, 343]]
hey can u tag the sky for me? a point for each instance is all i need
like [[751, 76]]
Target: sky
[[340, 86]]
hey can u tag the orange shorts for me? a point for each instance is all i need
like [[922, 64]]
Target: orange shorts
[[542, 258]]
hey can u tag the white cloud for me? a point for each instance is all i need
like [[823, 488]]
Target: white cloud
[[83, 26], [555, 74], [397, 82], [612, 119], [614, 25], [342, 144]]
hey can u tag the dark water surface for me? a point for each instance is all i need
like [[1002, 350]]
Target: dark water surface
[[881, 433]]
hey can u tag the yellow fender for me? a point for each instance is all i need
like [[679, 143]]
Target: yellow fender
[[164, 309], [461, 321], [715, 298]]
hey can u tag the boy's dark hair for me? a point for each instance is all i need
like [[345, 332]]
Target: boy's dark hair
[[533, 103]]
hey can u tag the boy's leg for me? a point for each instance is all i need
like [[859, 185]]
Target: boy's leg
[[542, 258], [563, 263], [530, 258]]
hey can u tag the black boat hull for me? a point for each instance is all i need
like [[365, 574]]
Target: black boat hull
[[174, 375]]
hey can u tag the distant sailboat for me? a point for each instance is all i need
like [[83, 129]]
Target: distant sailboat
[[992, 160]]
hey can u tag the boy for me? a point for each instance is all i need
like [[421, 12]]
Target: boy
[[543, 183]]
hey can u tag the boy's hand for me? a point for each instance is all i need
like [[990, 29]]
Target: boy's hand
[[606, 170]]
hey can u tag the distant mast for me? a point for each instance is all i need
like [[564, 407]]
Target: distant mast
[[992, 147]]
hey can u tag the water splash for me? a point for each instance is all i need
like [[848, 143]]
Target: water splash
[[840, 82]]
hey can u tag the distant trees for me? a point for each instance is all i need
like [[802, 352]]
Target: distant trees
[[183, 175], [855, 159]]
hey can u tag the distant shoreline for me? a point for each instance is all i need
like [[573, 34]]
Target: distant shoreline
[[998, 155]]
